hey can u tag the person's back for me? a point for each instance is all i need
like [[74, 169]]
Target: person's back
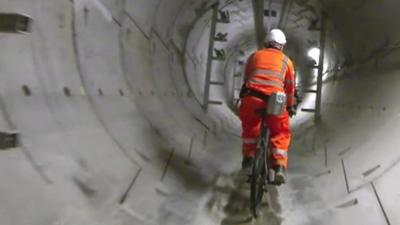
[[268, 71]]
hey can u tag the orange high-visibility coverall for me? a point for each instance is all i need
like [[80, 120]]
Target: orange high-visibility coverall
[[267, 71]]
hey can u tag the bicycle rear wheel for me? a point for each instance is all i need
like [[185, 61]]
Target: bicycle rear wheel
[[257, 181]]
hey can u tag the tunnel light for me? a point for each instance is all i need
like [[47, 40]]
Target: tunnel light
[[298, 75], [314, 54]]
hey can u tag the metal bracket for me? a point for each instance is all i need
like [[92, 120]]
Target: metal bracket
[[314, 25], [310, 91], [308, 110], [212, 102], [217, 83], [15, 23], [224, 17], [270, 13], [237, 74], [9, 140], [221, 37], [219, 54]]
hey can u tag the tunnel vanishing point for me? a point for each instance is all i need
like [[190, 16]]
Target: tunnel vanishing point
[[122, 112]]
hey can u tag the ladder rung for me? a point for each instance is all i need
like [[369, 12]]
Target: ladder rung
[[307, 110], [310, 91], [215, 102], [216, 83]]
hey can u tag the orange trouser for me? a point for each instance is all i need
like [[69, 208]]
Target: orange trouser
[[279, 127]]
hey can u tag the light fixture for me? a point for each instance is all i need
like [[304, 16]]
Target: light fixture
[[313, 53]]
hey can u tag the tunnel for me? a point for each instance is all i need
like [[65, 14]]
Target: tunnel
[[123, 112]]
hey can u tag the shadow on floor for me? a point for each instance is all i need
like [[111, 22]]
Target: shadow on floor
[[237, 209]]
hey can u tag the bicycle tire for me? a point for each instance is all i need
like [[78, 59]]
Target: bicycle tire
[[257, 181]]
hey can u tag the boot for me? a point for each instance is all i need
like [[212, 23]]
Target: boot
[[280, 175], [247, 163]]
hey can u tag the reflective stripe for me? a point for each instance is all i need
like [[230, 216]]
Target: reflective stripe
[[251, 68], [285, 65], [289, 81], [267, 73], [281, 152], [250, 140], [266, 82], [280, 75]]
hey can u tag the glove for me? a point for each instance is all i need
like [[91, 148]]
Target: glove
[[292, 111], [299, 99]]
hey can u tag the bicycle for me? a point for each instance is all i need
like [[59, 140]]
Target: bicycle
[[261, 170]]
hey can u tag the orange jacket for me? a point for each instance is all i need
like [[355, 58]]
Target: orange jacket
[[270, 70]]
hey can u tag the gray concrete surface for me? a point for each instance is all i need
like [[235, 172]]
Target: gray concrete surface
[[131, 144]]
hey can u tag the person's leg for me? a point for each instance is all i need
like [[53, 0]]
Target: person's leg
[[280, 141], [251, 125]]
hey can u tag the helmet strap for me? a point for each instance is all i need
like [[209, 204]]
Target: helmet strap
[[274, 45]]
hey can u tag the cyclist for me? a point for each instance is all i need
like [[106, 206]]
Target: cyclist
[[268, 71]]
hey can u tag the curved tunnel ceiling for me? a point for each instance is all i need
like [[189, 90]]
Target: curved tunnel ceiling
[[106, 99]]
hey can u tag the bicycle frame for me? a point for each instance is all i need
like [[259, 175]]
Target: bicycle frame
[[262, 172], [263, 142], [260, 167]]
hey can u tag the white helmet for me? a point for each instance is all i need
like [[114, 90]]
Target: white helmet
[[276, 35]]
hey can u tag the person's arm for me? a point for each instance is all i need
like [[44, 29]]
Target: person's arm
[[249, 67], [290, 88], [247, 71]]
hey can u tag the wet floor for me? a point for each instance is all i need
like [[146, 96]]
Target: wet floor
[[232, 196]]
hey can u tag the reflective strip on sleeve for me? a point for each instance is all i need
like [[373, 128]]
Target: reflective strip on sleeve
[[266, 82], [280, 75], [250, 140], [289, 82], [268, 73], [281, 152], [250, 63], [284, 66]]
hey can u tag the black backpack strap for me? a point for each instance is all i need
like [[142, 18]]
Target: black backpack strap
[[245, 91]]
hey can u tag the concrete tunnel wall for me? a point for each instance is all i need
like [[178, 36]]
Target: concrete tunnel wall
[[130, 126], [125, 146]]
